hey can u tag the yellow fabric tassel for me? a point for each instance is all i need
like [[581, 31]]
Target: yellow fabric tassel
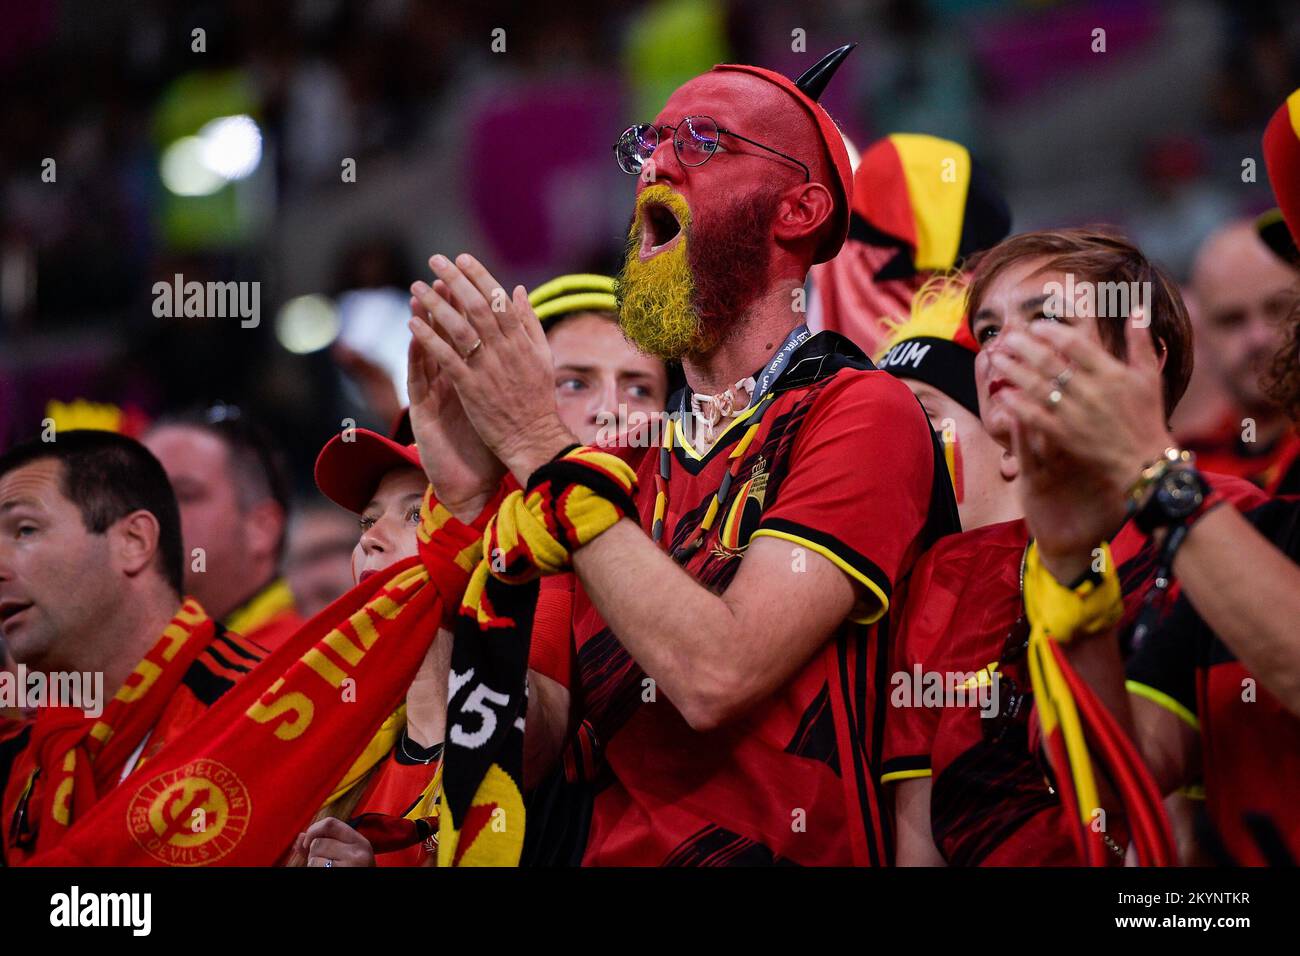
[[1058, 613]]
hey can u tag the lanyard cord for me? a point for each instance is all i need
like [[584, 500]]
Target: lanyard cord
[[760, 402]]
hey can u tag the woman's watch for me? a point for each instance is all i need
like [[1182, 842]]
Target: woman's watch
[[1140, 492], [1176, 496]]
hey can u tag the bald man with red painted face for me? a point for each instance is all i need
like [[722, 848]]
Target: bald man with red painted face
[[731, 641]]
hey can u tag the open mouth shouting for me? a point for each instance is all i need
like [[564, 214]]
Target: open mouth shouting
[[660, 229]]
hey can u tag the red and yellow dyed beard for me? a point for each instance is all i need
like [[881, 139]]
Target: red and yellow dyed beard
[[685, 299]]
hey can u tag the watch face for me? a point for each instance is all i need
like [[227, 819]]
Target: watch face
[[1180, 493]]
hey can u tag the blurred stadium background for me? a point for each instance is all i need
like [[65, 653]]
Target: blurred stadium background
[[230, 164]]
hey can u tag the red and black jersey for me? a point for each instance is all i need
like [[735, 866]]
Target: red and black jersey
[[1250, 743], [993, 800], [843, 464], [1274, 466], [223, 663]]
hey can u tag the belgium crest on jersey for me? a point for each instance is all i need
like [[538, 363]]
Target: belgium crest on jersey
[[744, 512]]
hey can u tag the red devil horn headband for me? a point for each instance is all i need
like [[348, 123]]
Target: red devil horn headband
[[805, 91], [814, 79]]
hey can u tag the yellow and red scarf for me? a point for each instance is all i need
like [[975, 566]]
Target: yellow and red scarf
[[72, 760], [568, 502], [1079, 734], [243, 782]]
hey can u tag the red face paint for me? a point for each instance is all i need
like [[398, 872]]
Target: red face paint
[[734, 193], [730, 257], [830, 166]]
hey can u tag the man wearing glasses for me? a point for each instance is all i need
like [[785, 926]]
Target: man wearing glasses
[[731, 648]]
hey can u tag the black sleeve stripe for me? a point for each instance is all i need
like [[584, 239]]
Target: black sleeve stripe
[[859, 562], [205, 684], [891, 773]]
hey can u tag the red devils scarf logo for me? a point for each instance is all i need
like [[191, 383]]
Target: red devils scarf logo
[[247, 777]]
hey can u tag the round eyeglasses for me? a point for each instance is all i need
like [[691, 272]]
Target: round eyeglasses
[[695, 140]]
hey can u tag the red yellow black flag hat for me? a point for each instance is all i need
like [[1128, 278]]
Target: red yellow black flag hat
[[927, 197], [1282, 160], [805, 92]]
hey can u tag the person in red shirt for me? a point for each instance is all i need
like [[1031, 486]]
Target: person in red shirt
[[234, 500], [612, 396], [732, 642], [971, 784], [1244, 293], [1214, 688], [381, 482], [603, 388], [91, 583], [609, 395]]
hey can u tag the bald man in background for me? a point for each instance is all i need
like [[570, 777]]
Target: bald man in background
[[233, 493], [1244, 293]]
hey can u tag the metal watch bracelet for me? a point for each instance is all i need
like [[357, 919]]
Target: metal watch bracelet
[[1139, 493]]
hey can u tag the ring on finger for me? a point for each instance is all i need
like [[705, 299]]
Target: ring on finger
[[1054, 397], [472, 349], [1063, 377]]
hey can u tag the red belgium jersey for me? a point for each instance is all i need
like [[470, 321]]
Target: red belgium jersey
[[843, 465], [1274, 466], [992, 800], [395, 789], [1250, 742]]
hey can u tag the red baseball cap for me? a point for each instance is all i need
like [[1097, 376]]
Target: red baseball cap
[[351, 465]]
